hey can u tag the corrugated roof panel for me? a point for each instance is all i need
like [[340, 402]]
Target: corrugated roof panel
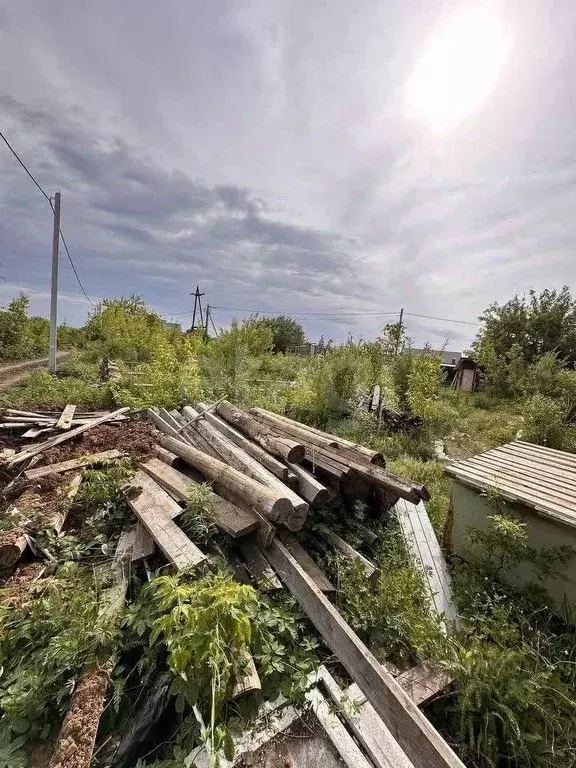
[[541, 478]]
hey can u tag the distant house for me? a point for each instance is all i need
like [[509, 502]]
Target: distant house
[[459, 372]]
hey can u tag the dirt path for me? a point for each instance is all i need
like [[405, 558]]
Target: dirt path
[[12, 373]]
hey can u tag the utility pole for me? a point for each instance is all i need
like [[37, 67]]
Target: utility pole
[[54, 286], [399, 335], [197, 302], [206, 323]]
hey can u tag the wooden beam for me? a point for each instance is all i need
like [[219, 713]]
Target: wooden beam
[[143, 544], [261, 570], [415, 735], [304, 560], [66, 466], [152, 505], [30, 452], [228, 517], [421, 683], [370, 570], [310, 488], [65, 420]]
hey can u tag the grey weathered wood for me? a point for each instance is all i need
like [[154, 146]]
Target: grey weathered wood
[[65, 466], [143, 544], [228, 481], [311, 489], [65, 420], [422, 683], [125, 544], [368, 536], [191, 435], [259, 567], [370, 570], [62, 512], [336, 732], [372, 734], [304, 560], [285, 448], [249, 679], [238, 458], [30, 452], [152, 505], [229, 518], [257, 452], [426, 554], [415, 735]]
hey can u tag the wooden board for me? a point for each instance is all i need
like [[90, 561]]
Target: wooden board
[[426, 554], [259, 567], [421, 683], [370, 570], [143, 544], [228, 517], [367, 727], [125, 544], [65, 466], [153, 507], [305, 561], [30, 452], [416, 736], [65, 420]]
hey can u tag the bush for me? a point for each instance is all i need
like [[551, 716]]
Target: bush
[[544, 423], [41, 387]]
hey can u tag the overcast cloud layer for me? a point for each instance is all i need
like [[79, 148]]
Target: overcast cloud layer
[[263, 149]]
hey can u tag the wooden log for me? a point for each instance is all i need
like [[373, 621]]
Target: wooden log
[[377, 741], [249, 679], [304, 560], [162, 425], [229, 518], [30, 452], [65, 420], [238, 458], [368, 537], [227, 480], [78, 733], [261, 570], [370, 570], [318, 437], [285, 448], [192, 436], [310, 488], [269, 462], [12, 546], [152, 505], [65, 466], [338, 472], [165, 456], [415, 735]]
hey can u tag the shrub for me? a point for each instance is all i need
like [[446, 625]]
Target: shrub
[[544, 423], [42, 387]]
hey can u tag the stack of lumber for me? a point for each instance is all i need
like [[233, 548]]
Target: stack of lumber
[[36, 423]]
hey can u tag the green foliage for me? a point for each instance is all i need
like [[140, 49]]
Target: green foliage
[[12, 754], [286, 332], [544, 423], [42, 387], [197, 520], [431, 474], [47, 642]]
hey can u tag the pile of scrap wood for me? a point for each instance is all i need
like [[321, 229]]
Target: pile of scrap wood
[[36, 423], [392, 419], [281, 493]]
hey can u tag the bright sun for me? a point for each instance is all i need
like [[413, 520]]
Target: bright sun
[[459, 67]]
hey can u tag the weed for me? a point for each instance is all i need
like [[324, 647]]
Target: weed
[[197, 519]]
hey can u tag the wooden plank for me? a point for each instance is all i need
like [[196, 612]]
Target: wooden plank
[[550, 472], [370, 570], [143, 544], [367, 727], [259, 567], [65, 466], [416, 736], [28, 454], [228, 517], [153, 507], [65, 420], [421, 683], [304, 561], [336, 732], [249, 680], [422, 544], [125, 544]]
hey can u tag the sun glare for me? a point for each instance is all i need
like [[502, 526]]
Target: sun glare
[[459, 67]]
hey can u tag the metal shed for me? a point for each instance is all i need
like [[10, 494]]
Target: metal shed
[[537, 485]]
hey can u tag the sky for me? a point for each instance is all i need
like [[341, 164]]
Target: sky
[[331, 159]]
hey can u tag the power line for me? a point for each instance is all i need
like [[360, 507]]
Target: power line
[[442, 319], [25, 168], [49, 199]]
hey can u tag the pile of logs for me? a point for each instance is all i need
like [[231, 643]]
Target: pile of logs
[[271, 464]]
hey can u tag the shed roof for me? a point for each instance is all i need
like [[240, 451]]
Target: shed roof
[[537, 477]]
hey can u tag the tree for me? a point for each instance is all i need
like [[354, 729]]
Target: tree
[[533, 326], [286, 332]]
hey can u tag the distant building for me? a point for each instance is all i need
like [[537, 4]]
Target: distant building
[[449, 359]]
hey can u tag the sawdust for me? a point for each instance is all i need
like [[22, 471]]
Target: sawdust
[[78, 733]]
